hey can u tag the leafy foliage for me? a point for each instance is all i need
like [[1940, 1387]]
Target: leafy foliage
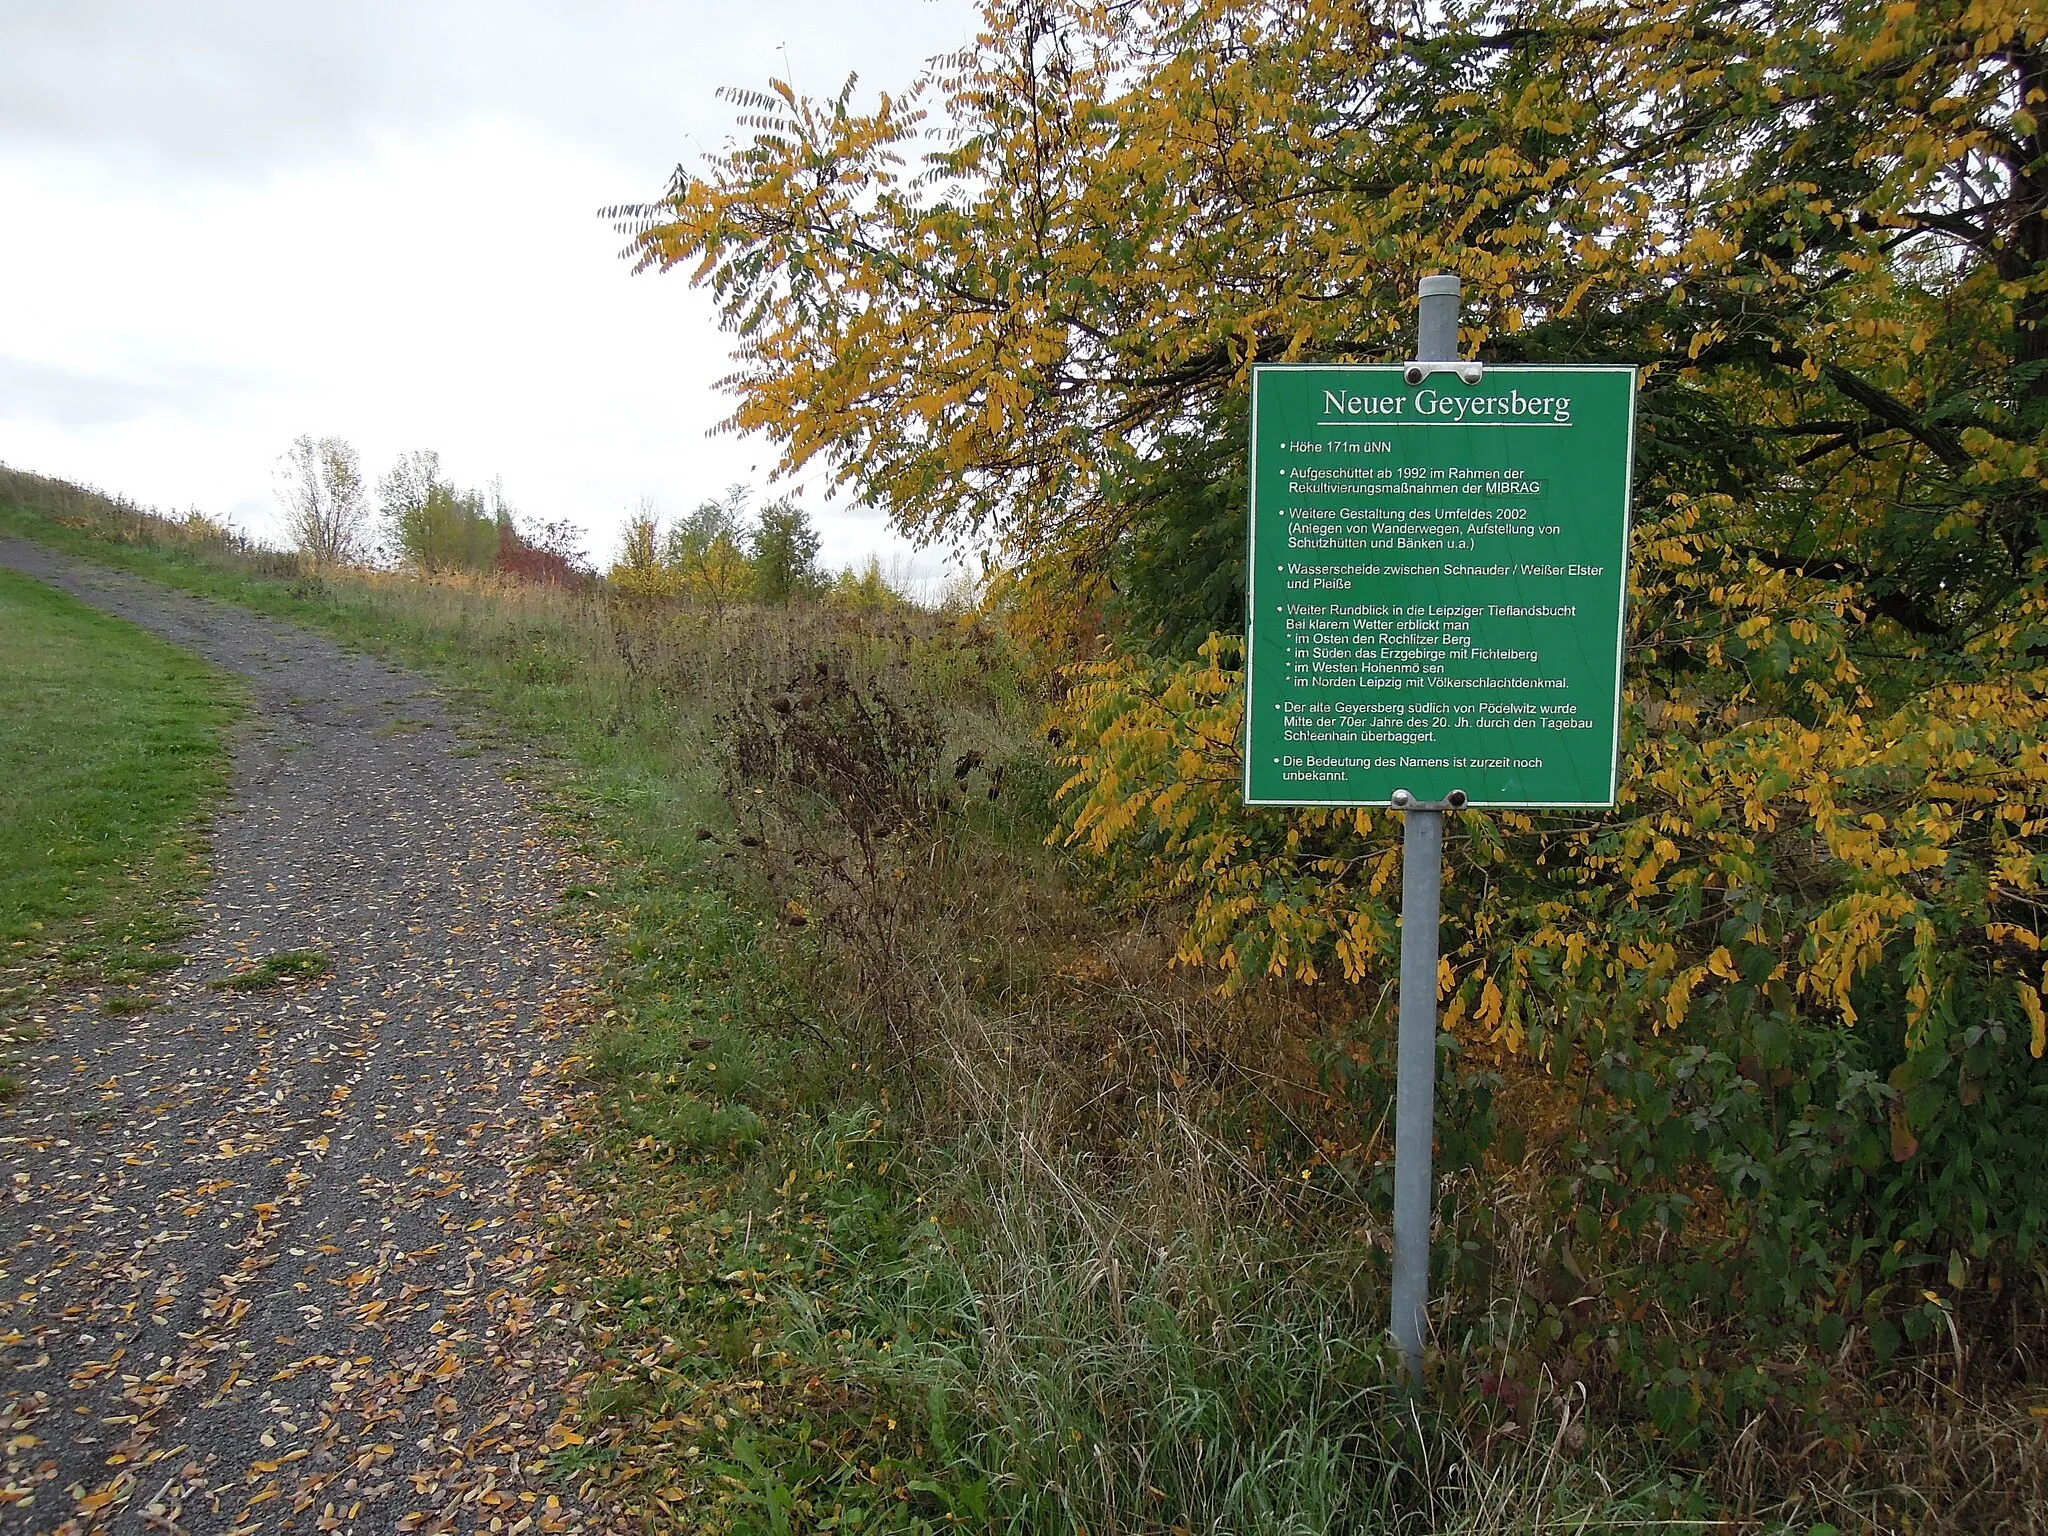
[[1117, 208], [785, 550], [1791, 987], [705, 554], [549, 553], [435, 528], [1180, 571], [865, 589], [718, 555], [432, 525]]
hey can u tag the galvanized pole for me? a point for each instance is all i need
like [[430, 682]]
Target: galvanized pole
[[1422, 844]]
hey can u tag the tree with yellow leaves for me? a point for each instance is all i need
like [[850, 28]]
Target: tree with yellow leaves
[[702, 557], [1798, 972]]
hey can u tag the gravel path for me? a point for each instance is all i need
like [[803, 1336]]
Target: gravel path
[[268, 1259]]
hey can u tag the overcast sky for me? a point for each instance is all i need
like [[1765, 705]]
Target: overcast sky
[[232, 221]]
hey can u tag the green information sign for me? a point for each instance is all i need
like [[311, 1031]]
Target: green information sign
[[1437, 574]]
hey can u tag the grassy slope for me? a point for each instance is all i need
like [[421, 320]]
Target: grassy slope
[[790, 1302], [111, 753], [696, 1418]]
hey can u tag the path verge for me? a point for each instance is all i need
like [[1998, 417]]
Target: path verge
[[113, 752], [270, 1258]]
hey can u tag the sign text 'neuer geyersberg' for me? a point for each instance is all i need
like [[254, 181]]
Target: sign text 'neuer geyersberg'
[[1437, 575]]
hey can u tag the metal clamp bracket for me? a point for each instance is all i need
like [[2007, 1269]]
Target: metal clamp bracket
[[1402, 800], [1468, 372]]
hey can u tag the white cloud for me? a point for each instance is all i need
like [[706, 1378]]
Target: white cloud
[[236, 222]]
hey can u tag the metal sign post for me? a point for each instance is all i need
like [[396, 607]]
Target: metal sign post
[[1422, 883], [1438, 562]]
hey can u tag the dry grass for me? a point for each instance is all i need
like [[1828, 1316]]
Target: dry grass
[[1160, 1292]]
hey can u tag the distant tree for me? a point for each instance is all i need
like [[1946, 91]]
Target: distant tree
[[719, 518], [432, 525], [402, 495], [707, 550], [453, 533], [639, 565], [712, 554], [785, 554], [865, 588], [326, 505], [499, 510]]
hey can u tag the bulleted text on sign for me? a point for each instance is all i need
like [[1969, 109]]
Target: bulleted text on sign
[[1437, 583]]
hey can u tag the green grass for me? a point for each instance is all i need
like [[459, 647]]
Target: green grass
[[112, 754], [807, 1308], [278, 970], [810, 1305]]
